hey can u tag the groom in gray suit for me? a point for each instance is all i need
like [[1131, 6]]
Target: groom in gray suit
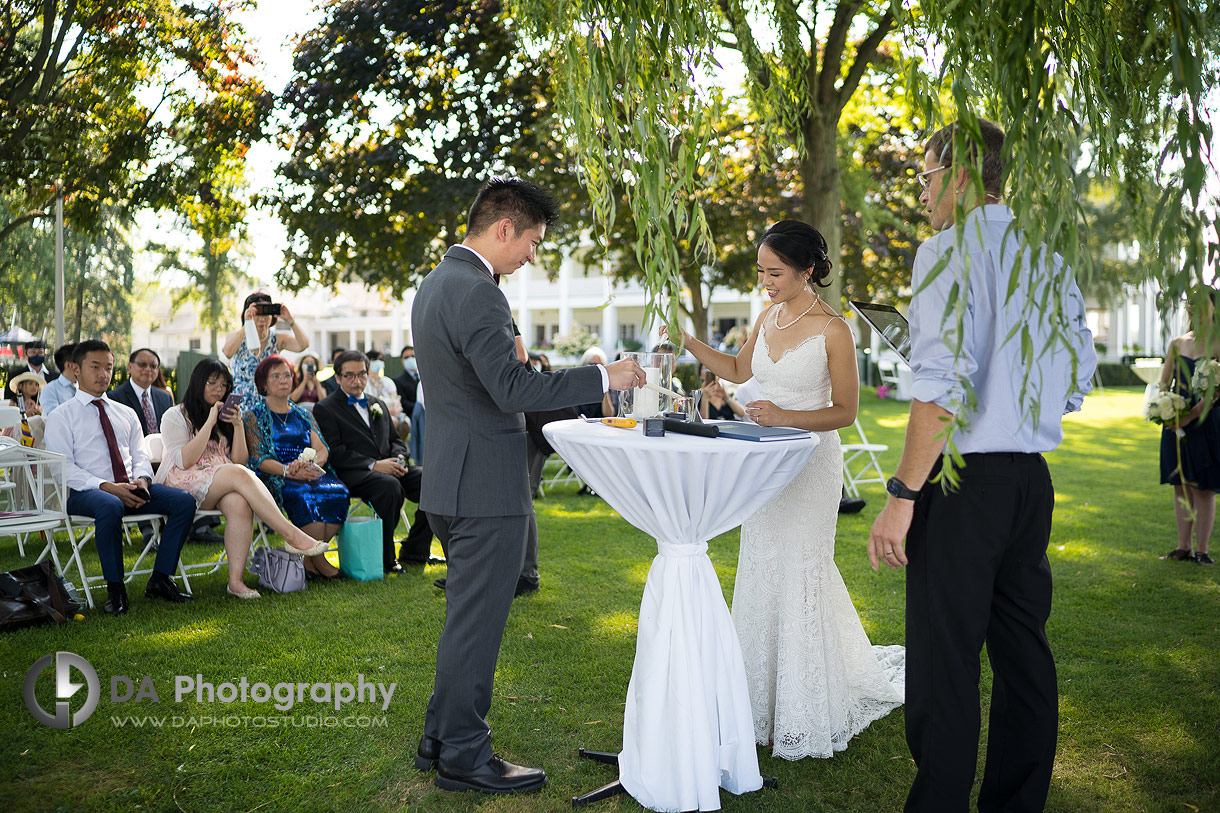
[[476, 492]]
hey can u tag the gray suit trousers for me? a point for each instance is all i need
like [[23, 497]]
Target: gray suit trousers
[[485, 556]]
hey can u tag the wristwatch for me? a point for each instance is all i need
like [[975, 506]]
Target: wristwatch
[[899, 489]]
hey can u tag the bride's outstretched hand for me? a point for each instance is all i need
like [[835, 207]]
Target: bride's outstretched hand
[[686, 337]]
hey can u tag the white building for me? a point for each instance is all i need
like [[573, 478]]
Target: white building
[[356, 317]]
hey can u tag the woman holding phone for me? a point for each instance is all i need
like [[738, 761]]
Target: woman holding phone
[[261, 315], [205, 455], [307, 390]]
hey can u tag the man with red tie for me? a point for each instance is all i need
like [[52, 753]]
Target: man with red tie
[[109, 475]]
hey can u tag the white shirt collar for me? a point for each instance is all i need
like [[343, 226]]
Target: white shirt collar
[[484, 260], [139, 390], [85, 397]]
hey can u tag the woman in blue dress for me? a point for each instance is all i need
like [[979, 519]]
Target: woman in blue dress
[[288, 452], [244, 360], [1191, 462]]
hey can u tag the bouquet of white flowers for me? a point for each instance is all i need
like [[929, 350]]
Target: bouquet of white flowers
[[1165, 408], [1207, 376], [308, 454]]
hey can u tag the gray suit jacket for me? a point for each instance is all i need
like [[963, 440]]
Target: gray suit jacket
[[475, 440]]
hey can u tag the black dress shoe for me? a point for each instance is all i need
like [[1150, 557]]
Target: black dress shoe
[[436, 560], [116, 598], [427, 754], [525, 586], [439, 583], [497, 776], [394, 568], [162, 586], [206, 536], [849, 505]]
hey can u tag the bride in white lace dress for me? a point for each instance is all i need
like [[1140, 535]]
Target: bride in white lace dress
[[815, 680]]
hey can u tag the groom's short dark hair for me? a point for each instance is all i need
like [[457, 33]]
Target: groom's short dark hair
[[520, 201]]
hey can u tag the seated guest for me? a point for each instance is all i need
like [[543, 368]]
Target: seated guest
[[370, 459], [27, 386], [139, 392], [603, 408], [407, 380], [329, 382], [209, 463], [245, 360], [381, 387], [63, 388], [282, 438], [108, 475], [307, 390], [716, 403], [35, 362]]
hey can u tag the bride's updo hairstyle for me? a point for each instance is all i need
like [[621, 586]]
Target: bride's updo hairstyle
[[801, 246]]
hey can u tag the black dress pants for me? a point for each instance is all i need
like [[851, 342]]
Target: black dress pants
[[386, 494], [978, 574]]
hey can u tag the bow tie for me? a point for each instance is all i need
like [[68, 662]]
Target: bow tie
[[353, 400]]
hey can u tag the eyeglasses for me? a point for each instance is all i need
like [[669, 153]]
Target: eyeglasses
[[923, 176], [143, 365], [280, 376], [354, 376]]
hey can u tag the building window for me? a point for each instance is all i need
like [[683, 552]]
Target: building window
[[196, 345], [626, 332]]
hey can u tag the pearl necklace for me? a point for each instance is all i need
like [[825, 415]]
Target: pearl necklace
[[778, 326]]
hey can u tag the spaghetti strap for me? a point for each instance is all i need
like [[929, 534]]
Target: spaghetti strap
[[828, 323]]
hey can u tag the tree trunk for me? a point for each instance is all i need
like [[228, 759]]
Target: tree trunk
[[821, 193], [697, 310]]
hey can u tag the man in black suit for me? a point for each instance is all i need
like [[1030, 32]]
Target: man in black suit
[[139, 393], [407, 380], [36, 363], [370, 459], [331, 383]]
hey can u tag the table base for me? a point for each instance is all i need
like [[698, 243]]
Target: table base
[[616, 787]]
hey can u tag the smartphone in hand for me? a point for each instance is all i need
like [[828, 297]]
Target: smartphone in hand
[[142, 493], [231, 403], [268, 308]]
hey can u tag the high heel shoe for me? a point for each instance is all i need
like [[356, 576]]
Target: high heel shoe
[[248, 595], [318, 548]]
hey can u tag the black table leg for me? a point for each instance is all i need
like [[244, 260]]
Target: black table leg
[[616, 787], [605, 791]]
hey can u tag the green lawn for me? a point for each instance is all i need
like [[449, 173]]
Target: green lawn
[[1136, 640]]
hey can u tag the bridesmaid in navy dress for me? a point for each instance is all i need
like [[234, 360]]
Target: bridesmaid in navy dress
[[1191, 463], [282, 440]]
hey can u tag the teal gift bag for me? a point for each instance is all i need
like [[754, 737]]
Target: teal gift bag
[[360, 549]]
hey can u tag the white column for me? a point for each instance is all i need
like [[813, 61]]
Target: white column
[[368, 339], [351, 339], [609, 324], [565, 304], [396, 330], [756, 308]]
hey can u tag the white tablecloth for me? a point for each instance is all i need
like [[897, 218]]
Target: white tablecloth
[[687, 729]]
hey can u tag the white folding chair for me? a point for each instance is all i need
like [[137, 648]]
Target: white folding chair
[[563, 474], [860, 460], [80, 529]]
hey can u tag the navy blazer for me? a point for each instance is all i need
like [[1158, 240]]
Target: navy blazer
[[126, 394]]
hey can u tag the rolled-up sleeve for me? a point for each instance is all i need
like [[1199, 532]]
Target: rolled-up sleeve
[[937, 369], [1082, 345]]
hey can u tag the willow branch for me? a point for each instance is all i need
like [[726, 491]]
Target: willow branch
[[832, 51]]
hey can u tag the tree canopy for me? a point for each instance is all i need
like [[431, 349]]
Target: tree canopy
[[397, 115]]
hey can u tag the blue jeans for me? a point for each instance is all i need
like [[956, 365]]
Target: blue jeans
[[108, 510]]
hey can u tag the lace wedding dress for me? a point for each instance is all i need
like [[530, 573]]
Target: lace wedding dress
[[815, 680]]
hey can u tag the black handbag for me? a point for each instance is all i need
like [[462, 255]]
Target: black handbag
[[34, 595]]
